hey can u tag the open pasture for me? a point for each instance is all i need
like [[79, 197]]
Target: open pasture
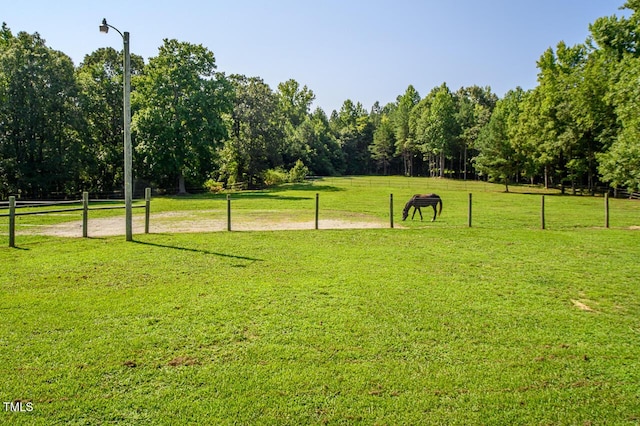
[[437, 323]]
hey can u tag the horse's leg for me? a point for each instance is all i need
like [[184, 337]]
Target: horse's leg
[[434, 213], [414, 212], [420, 211]]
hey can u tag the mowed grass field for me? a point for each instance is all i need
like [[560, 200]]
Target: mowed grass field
[[434, 323]]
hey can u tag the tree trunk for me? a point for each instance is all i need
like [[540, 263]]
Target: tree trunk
[[546, 176], [406, 156], [432, 166], [410, 161], [465, 162], [181, 187]]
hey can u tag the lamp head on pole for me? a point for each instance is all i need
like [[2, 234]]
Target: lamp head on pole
[[104, 28]]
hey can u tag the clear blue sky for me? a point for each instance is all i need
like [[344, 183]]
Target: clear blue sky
[[361, 50]]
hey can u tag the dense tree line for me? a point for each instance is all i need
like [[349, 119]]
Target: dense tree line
[[61, 126]]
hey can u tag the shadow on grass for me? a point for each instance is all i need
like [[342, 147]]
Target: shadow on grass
[[16, 247], [257, 194], [304, 187], [271, 193], [266, 195], [213, 253]]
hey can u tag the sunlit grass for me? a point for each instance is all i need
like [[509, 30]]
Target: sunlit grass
[[500, 323]]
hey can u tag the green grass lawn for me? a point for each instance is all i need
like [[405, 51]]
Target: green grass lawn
[[501, 323]]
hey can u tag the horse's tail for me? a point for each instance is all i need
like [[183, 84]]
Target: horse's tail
[[440, 201]]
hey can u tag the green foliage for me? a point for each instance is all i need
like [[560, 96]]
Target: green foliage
[[354, 134], [273, 177], [100, 77], [257, 132], [436, 128], [294, 102], [404, 137], [497, 157], [40, 123], [383, 146], [213, 186], [277, 176], [620, 165], [298, 173], [314, 143], [474, 108], [178, 126]]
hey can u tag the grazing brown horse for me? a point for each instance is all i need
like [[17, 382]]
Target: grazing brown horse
[[422, 200]]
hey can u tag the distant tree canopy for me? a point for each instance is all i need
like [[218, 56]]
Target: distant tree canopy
[[61, 126]]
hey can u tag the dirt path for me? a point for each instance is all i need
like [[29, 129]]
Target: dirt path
[[182, 222]]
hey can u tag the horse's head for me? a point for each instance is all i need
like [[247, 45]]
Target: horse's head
[[405, 212], [407, 207]]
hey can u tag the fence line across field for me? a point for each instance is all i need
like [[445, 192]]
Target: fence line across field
[[23, 204], [85, 208], [469, 211]]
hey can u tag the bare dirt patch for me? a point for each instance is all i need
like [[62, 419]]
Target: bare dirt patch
[[582, 306], [184, 222], [183, 361]]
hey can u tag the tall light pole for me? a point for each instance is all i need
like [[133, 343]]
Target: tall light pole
[[128, 180]]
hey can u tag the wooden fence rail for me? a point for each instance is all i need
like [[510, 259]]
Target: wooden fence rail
[[84, 208]]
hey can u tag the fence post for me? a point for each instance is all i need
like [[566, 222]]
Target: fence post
[[12, 221], [470, 198], [228, 212], [606, 210], [317, 208], [147, 209], [542, 213], [85, 214], [391, 210]]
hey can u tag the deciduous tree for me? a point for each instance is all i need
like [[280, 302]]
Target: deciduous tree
[[39, 118], [405, 140], [437, 127], [354, 133], [180, 100], [497, 157], [256, 132], [474, 107], [100, 78], [383, 147], [620, 164]]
